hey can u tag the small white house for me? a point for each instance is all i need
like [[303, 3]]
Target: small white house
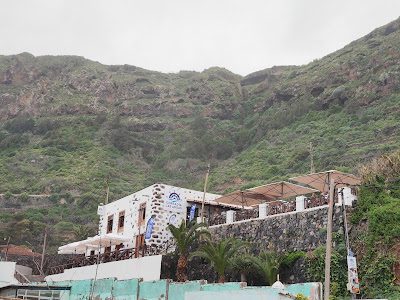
[[142, 218]]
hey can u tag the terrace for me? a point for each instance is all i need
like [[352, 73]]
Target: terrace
[[308, 191], [80, 249]]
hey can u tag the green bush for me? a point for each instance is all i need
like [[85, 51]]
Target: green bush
[[24, 197], [7, 195], [316, 269], [20, 125], [290, 258]]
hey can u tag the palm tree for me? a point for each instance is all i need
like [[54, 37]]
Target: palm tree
[[220, 254], [242, 264], [267, 263], [185, 236]]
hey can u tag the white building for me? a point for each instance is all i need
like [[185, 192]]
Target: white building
[[142, 219], [150, 211], [133, 232]]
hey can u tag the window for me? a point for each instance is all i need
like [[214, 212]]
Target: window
[[121, 220], [27, 294], [196, 213], [142, 214], [110, 224]]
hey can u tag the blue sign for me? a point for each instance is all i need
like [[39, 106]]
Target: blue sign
[[149, 227], [174, 198], [192, 212], [173, 202]]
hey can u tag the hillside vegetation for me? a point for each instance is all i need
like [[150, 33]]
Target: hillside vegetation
[[68, 125]]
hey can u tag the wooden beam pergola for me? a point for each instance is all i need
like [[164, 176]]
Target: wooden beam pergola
[[265, 193]]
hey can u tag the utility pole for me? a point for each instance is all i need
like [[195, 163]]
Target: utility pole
[[107, 188], [346, 232], [328, 255], [8, 244], [312, 167], [43, 250], [204, 194]]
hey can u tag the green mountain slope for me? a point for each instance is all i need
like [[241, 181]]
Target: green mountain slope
[[68, 124]]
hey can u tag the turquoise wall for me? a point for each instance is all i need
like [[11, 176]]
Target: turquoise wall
[[133, 289], [153, 290], [177, 290], [126, 289]]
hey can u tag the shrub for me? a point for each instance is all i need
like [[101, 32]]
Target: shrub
[[20, 125], [7, 195], [316, 269], [24, 197], [290, 258]]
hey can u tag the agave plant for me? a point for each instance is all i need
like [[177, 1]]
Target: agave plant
[[220, 254], [267, 264], [185, 236]]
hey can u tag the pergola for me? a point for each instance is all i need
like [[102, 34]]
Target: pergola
[[265, 193], [320, 181], [95, 242]]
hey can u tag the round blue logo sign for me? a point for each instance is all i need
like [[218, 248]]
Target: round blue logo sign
[[174, 197]]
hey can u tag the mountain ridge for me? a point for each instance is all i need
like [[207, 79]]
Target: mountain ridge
[[68, 124]]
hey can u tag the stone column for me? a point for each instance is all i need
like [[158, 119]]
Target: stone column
[[300, 203], [230, 216], [262, 210]]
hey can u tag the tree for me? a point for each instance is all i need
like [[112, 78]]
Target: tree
[[242, 264], [81, 232], [267, 263], [220, 254], [185, 236]]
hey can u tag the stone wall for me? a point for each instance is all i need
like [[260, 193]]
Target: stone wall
[[288, 232], [301, 231]]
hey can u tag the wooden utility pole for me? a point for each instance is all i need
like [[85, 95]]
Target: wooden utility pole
[[8, 244], [328, 255], [107, 188], [204, 194], [312, 167], [43, 251]]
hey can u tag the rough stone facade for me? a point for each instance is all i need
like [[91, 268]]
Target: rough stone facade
[[288, 232], [295, 231]]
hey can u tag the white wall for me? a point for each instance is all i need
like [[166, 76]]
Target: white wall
[[24, 270], [148, 268], [348, 197], [130, 204], [155, 197], [7, 271]]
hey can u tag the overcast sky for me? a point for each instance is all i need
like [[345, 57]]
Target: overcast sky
[[172, 35]]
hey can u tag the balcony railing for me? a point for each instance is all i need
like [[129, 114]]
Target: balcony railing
[[274, 208], [81, 260]]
